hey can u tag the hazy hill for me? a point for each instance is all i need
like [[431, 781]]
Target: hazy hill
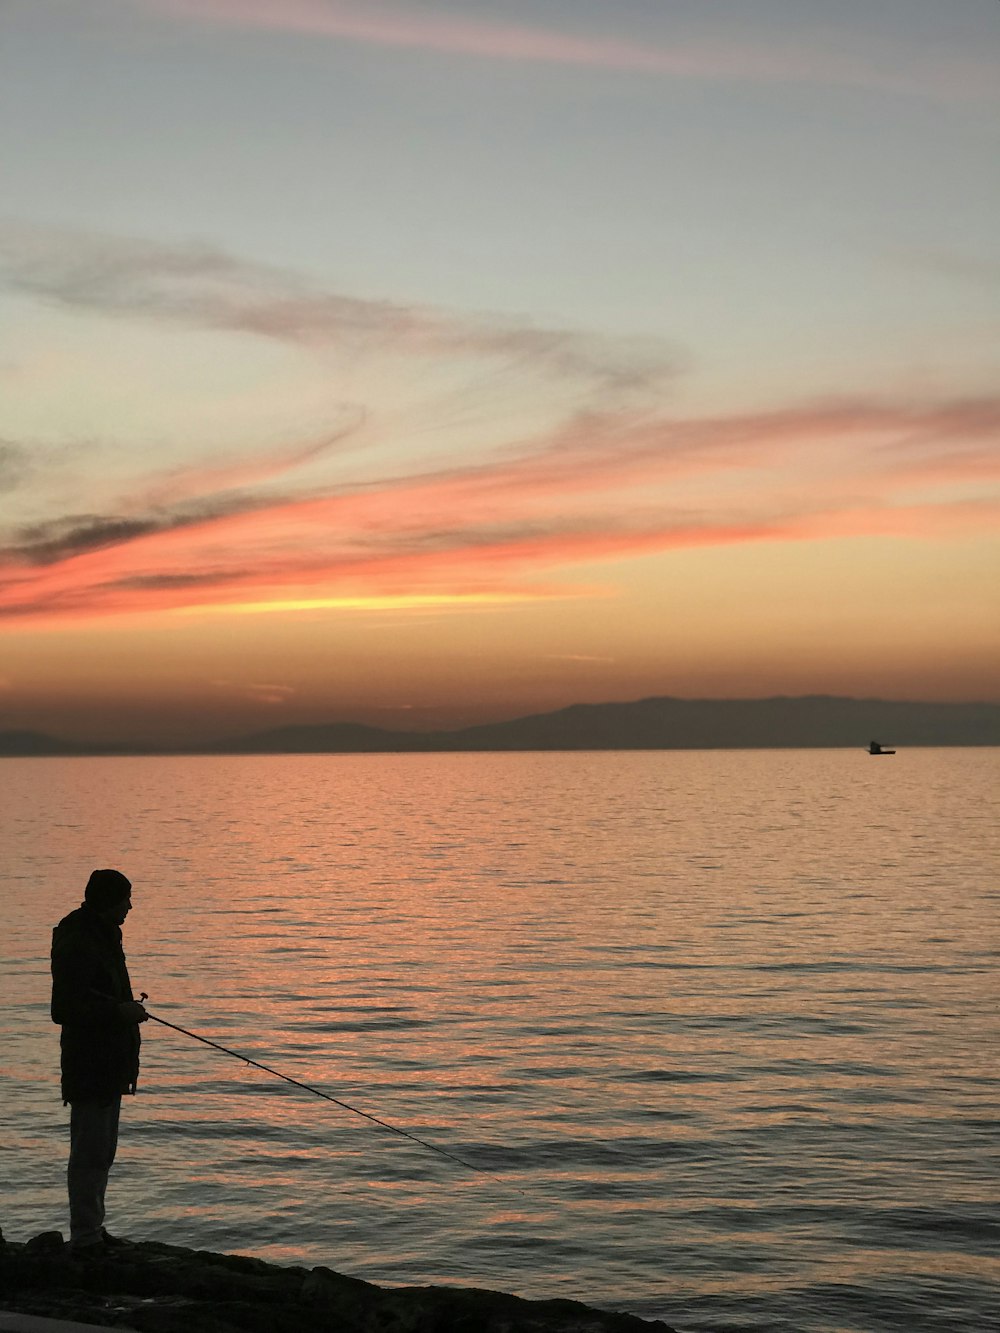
[[671, 724], [29, 744], [647, 724], [25, 744], [812, 720]]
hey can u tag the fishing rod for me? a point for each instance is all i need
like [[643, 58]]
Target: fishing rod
[[307, 1087]]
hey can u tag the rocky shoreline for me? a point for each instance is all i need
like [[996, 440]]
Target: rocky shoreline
[[155, 1288]]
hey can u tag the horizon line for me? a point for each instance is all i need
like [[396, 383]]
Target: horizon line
[[217, 743]]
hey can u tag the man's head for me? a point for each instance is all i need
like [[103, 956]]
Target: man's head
[[110, 894]]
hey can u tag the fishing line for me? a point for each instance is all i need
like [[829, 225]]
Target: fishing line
[[307, 1087]]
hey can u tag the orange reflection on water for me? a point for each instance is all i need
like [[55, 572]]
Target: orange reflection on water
[[729, 1009]]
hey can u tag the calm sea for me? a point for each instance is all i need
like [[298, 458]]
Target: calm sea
[[724, 1025]]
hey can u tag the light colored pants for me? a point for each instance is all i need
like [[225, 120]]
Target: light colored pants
[[93, 1138]]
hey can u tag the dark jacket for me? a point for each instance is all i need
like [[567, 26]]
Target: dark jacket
[[100, 1052]]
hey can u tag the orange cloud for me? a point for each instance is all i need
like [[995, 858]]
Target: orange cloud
[[491, 530], [258, 693]]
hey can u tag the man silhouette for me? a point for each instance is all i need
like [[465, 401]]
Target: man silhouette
[[92, 1000]]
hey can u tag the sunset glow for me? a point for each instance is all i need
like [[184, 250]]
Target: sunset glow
[[373, 359]]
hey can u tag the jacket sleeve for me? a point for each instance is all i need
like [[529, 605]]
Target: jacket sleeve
[[80, 991]]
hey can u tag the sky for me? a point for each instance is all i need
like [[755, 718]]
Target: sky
[[437, 361]]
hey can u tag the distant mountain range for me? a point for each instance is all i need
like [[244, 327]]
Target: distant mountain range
[[807, 722]]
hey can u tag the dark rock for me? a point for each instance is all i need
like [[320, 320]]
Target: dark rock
[[349, 1297], [46, 1242], [157, 1288]]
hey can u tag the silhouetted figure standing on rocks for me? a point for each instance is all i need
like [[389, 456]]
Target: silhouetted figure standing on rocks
[[92, 999]]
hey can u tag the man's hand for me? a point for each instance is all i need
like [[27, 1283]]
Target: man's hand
[[131, 1011]]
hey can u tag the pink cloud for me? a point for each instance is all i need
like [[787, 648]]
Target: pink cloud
[[823, 60], [386, 25]]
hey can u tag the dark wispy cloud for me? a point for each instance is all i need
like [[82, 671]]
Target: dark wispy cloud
[[969, 269], [73, 535], [229, 479], [202, 286], [14, 464]]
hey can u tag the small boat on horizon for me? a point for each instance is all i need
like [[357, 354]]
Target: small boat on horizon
[[875, 748]]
